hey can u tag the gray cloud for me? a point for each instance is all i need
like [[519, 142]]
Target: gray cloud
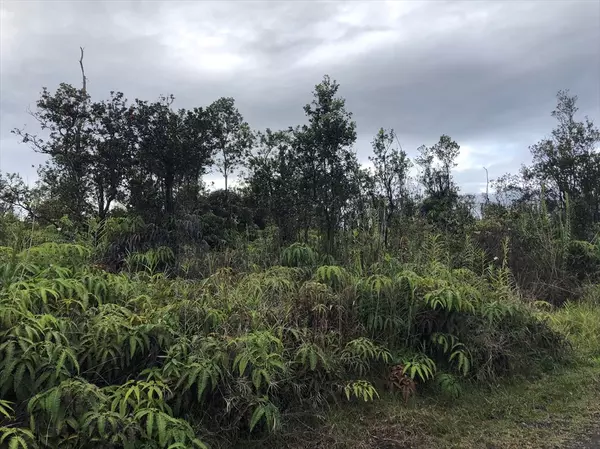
[[483, 72]]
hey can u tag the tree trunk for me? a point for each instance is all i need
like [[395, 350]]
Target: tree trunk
[[169, 203]]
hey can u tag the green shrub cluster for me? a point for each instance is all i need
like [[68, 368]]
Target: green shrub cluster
[[139, 359]]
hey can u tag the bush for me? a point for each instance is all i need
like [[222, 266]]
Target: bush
[[89, 357], [580, 322], [583, 260]]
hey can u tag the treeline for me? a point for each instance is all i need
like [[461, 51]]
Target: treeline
[[146, 161]]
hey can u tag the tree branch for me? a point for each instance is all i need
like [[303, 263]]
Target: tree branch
[[82, 71], [487, 183]]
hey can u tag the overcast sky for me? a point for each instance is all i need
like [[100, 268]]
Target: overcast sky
[[486, 73]]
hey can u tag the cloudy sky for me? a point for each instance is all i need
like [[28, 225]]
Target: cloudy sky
[[484, 72]]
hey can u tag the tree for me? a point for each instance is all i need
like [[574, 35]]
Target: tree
[[437, 163], [174, 149], [391, 165], [88, 148], [441, 192], [65, 115], [32, 203], [14, 194], [568, 164], [232, 137], [111, 152], [326, 160], [273, 179]]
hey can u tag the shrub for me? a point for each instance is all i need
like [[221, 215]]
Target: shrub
[[143, 358], [583, 260]]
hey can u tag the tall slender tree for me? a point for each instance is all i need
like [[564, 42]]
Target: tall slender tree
[[568, 164], [232, 137], [441, 192], [273, 178], [391, 165], [326, 158]]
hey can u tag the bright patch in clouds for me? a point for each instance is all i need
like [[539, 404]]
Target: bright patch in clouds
[[203, 46], [465, 160], [357, 29], [348, 48], [8, 32]]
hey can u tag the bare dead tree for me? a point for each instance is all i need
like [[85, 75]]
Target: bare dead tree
[[82, 71], [487, 183]]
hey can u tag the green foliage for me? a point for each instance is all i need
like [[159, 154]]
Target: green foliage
[[583, 260], [137, 309], [335, 277], [233, 136], [299, 255], [143, 358], [259, 356], [455, 350], [580, 322], [267, 412], [360, 389], [448, 300], [361, 353], [328, 168], [5, 409], [449, 385], [17, 438], [419, 366], [391, 166], [311, 357], [566, 163], [151, 260]]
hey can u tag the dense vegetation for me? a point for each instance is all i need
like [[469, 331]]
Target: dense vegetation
[[140, 310]]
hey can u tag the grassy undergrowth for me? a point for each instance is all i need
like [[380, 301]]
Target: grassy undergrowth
[[552, 411], [558, 408], [387, 355]]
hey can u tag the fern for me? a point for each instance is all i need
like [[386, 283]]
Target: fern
[[133, 395], [495, 311], [161, 428], [110, 427], [311, 357], [56, 412], [462, 358], [123, 360], [204, 375], [450, 300]]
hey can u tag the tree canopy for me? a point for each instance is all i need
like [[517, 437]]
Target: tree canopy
[[148, 159]]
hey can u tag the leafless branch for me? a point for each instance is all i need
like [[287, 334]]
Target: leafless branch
[[82, 71], [487, 183], [398, 141]]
